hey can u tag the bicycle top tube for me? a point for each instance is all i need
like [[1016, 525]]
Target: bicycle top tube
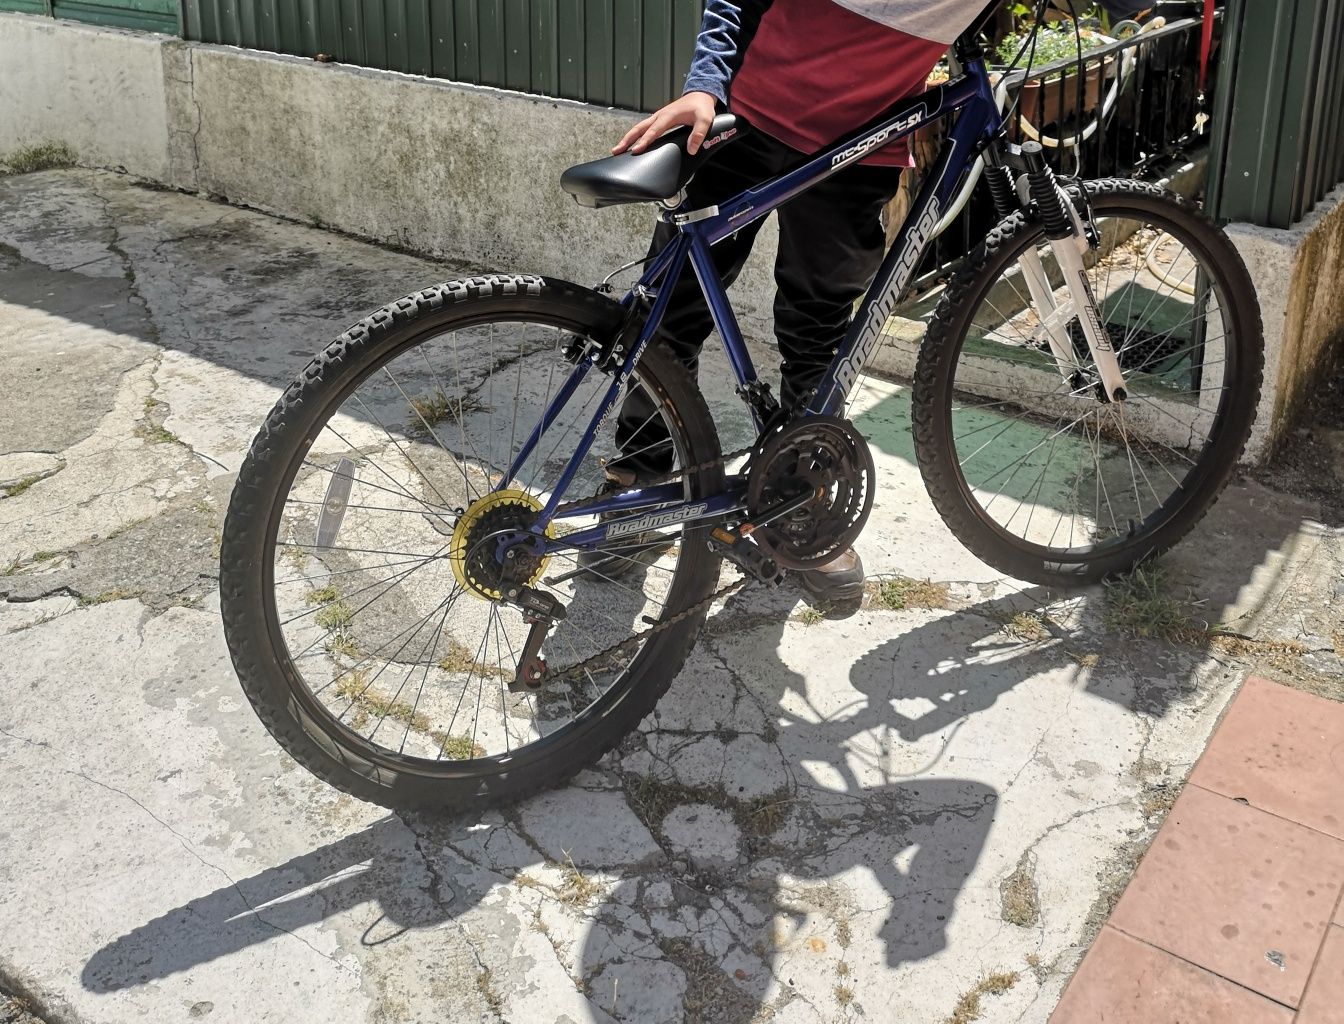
[[971, 89], [970, 96]]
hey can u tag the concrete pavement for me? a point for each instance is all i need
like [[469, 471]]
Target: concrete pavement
[[878, 816]]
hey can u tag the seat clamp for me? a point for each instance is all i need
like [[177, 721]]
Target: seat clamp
[[695, 215]]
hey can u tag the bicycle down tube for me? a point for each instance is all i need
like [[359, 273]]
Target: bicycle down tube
[[971, 96]]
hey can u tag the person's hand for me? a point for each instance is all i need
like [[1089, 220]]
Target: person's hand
[[695, 109]]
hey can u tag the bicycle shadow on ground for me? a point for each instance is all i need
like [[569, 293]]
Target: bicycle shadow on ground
[[866, 854], [376, 865]]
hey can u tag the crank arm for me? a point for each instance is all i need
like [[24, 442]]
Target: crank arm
[[747, 555]]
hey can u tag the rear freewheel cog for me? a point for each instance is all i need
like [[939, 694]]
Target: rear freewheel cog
[[824, 455]]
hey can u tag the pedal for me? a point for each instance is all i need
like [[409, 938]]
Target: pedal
[[541, 611], [746, 555]]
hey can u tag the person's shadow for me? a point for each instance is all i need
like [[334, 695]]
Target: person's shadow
[[916, 835]]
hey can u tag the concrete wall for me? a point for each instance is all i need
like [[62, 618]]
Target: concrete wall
[[100, 91], [464, 172], [1299, 275]]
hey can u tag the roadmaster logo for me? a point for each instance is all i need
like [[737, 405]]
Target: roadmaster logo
[[880, 311], [657, 520], [860, 148]]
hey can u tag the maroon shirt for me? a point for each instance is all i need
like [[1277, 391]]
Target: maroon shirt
[[816, 70]]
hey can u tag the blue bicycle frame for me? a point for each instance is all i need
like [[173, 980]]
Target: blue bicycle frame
[[978, 125]]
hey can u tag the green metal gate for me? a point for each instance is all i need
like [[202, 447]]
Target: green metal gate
[[624, 53], [150, 15], [1278, 144]]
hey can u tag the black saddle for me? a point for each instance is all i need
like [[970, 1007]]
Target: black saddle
[[660, 172]]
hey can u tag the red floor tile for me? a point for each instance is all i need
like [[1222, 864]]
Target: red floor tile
[[1230, 888], [1124, 981], [1323, 1002], [1283, 751]]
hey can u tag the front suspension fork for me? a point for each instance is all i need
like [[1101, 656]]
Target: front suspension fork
[[1068, 240]]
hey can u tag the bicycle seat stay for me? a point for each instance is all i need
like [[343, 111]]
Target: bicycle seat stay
[[657, 174]]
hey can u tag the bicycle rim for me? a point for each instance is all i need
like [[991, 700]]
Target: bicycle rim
[[1042, 461], [383, 631]]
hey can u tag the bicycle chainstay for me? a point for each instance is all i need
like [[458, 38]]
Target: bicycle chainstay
[[573, 672]]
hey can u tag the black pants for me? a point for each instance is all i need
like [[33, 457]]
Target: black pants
[[830, 245]]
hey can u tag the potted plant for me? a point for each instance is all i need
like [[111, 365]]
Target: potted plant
[[1054, 99]]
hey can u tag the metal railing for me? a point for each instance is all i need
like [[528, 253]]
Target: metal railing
[[1137, 120]]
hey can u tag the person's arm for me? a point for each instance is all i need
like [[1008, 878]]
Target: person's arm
[[726, 30]]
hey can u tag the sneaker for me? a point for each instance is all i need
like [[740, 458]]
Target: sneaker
[[839, 581], [636, 549]]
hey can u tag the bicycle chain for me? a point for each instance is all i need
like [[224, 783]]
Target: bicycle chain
[[572, 672]]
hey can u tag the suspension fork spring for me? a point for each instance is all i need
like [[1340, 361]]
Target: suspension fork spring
[[1045, 193]]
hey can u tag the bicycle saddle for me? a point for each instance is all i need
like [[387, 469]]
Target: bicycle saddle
[[660, 172]]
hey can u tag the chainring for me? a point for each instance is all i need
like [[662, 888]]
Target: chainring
[[821, 454]]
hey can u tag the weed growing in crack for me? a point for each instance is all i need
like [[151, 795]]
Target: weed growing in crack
[[460, 660], [651, 798], [968, 1007], [897, 593], [456, 748], [1140, 604], [576, 889], [844, 934], [811, 616], [428, 411], [321, 595], [125, 528], [335, 617], [708, 989], [156, 434], [368, 705], [115, 594], [1019, 899], [1028, 627], [483, 985], [341, 645], [19, 486], [45, 156]]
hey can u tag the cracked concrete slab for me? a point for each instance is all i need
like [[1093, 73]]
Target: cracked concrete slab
[[823, 819]]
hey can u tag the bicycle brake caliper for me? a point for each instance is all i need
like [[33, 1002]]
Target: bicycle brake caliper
[[541, 611]]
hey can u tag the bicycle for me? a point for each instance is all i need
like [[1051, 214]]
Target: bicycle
[[419, 565]]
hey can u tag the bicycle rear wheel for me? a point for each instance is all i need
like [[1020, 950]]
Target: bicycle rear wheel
[[1025, 461], [367, 632]]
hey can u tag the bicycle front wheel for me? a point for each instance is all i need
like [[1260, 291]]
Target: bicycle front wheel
[[1023, 457], [362, 602]]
